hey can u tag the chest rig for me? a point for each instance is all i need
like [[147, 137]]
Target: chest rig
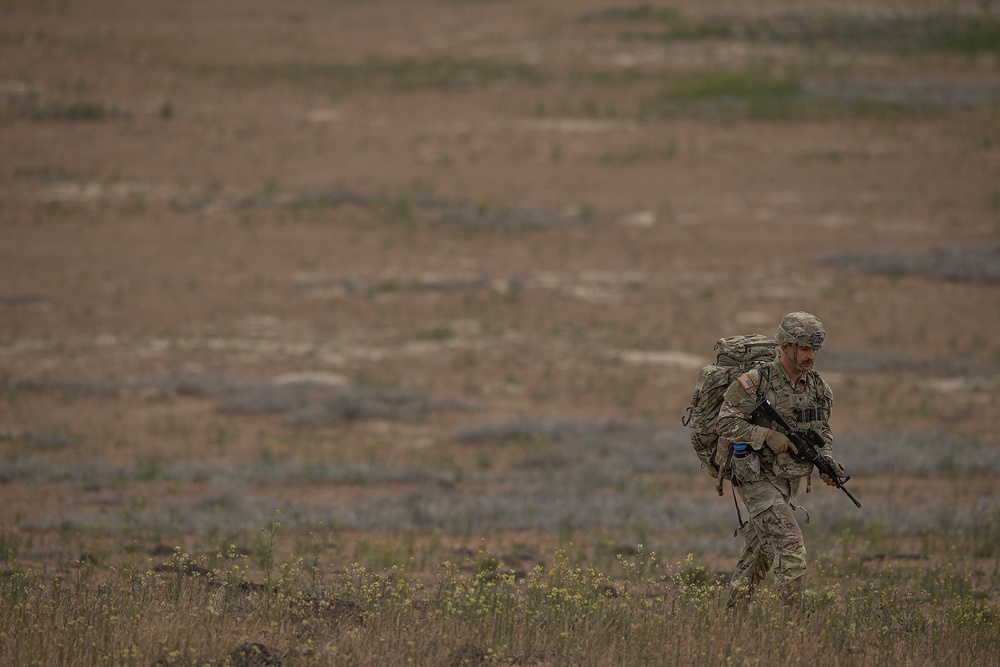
[[803, 409]]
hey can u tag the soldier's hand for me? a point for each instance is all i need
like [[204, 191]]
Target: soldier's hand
[[837, 468], [779, 442]]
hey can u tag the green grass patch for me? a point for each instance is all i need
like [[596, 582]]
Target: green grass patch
[[749, 93], [944, 32], [754, 94], [72, 110], [941, 32]]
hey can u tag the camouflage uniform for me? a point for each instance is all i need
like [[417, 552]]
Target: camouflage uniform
[[767, 482]]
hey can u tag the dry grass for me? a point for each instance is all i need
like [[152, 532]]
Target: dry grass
[[479, 608], [436, 284]]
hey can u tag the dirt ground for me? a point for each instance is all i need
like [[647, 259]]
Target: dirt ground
[[459, 212]]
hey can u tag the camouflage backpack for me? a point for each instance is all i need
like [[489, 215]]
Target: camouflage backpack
[[735, 355]]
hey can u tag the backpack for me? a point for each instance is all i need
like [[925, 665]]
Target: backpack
[[735, 355]]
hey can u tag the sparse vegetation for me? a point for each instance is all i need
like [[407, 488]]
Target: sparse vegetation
[[753, 93], [964, 264], [945, 31], [359, 333], [75, 110], [401, 75], [476, 609]]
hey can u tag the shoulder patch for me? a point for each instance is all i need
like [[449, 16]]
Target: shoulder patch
[[746, 382]]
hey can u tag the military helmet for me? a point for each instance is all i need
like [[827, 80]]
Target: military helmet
[[802, 329]]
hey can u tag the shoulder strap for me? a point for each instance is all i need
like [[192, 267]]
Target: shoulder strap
[[819, 388], [763, 378]]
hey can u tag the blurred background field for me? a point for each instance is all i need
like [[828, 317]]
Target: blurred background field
[[432, 279]]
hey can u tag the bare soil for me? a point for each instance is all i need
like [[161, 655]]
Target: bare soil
[[465, 203]]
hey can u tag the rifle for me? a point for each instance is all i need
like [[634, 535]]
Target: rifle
[[807, 441]]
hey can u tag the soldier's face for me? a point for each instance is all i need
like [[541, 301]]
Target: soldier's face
[[797, 357], [805, 356]]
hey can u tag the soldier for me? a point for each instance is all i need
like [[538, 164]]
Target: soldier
[[765, 474]]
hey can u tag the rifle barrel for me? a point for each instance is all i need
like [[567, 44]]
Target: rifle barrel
[[806, 448]]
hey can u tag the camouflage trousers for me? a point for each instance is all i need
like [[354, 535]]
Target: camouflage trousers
[[772, 537]]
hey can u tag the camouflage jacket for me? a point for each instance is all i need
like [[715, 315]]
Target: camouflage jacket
[[807, 404]]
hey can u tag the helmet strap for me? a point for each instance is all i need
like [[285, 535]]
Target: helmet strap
[[793, 359]]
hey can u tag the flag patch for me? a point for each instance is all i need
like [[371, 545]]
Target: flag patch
[[746, 382]]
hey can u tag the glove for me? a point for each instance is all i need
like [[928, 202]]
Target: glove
[[779, 442], [837, 468]]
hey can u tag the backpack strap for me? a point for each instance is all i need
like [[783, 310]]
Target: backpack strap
[[739, 515], [720, 480], [763, 378]]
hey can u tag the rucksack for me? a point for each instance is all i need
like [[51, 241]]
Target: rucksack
[[735, 355]]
